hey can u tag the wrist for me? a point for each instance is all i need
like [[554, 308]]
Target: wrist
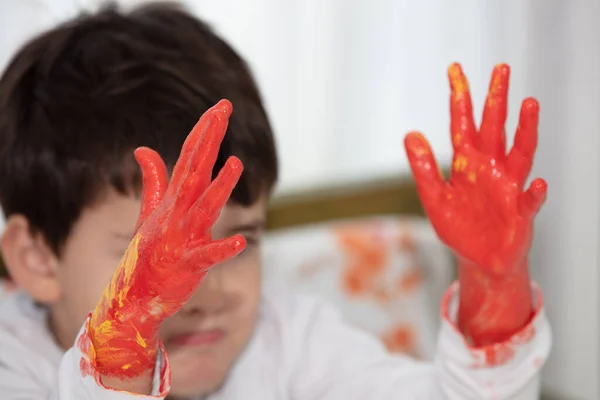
[[493, 307], [141, 384], [124, 346]]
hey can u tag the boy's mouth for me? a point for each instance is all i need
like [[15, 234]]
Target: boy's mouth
[[198, 338]]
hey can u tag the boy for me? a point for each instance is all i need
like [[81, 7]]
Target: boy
[[74, 105]]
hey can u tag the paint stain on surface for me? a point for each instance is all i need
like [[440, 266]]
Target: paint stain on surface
[[400, 339]]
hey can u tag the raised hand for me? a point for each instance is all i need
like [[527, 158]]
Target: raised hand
[[483, 212], [171, 251]]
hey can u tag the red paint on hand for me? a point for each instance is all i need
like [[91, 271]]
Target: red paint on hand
[[171, 251], [483, 212]]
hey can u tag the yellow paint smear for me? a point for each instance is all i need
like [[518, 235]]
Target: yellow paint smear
[[460, 163], [472, 177], [458, 80]]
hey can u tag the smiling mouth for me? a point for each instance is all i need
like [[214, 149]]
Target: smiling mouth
[[200, 338]]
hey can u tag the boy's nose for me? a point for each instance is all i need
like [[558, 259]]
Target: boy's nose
[[209, 298]]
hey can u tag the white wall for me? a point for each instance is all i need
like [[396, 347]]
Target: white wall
[[565, 76], [344, 82]]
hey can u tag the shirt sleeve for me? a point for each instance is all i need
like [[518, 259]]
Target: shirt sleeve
[[77, 378], [335, 361]]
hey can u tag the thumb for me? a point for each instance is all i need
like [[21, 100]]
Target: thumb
[[426, 172], [154, 181]]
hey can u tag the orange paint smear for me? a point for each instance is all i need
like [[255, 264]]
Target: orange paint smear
[[366, 272], [400, 339], [410, 280], [406, 241], [367, 261]]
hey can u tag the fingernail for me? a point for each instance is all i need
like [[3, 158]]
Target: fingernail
[[502, 68], [531, 104], [225, 106], [458, 82]]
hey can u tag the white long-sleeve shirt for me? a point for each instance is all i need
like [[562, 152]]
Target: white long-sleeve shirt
[[301, 350]]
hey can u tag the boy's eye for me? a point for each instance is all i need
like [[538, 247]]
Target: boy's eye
[[251, 240]]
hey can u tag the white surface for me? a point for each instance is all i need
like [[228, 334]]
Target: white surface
[[312, 259], [344, 80]]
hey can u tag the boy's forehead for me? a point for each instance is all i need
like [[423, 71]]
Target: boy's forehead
[[113, 208], [237, 213]]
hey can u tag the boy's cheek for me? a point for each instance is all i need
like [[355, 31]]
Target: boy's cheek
[[243, 274], [81, 286], [229, 298], [82, 283]]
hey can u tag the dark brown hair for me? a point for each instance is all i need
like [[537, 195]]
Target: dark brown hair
[[76, 101]]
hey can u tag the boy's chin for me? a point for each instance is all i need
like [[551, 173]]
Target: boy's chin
[[197, 375], [188, 387]]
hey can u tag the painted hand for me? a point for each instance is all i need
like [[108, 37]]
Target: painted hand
[[482, 212], [171, 251]]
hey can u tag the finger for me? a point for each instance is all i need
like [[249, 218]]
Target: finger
[[491, 134], [462, 125], [205, 256], [520, 157], [203, 214], [203, 159], [533, 198], [197, 176], [426, 172], [199, 138], [154, 180]]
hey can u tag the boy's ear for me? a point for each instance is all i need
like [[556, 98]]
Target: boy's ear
[[29, 260]]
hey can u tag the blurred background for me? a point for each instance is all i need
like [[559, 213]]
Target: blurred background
[[344, 80]]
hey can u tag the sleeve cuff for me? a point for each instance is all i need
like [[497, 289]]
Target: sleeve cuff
[[500, 370], [85, 356]]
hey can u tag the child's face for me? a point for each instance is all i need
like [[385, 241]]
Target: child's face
[[205, 338]]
